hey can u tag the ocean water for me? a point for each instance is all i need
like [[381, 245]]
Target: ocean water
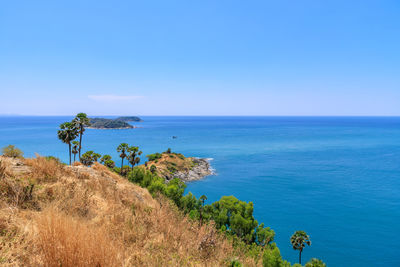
[[337, 178]]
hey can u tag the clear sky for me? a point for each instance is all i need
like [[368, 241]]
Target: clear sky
[[204, 57]]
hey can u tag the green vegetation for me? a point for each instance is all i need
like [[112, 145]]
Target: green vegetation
[[230, 215], [153, 157], [81, 121], [107, 161], [315, 263], [299, 240], [100, 123], [134, 155], [122, 149], [129, 118], [12, 152], [67, 133], [71, 130], [89, 157], [75, 149]]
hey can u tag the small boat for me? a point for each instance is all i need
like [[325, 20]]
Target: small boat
[[174, 137]]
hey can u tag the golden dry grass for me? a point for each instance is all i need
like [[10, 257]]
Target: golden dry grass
[[45, 170], [65, 241], [93, 217]]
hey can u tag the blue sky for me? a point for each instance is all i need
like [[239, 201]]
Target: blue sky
[[203, 57]]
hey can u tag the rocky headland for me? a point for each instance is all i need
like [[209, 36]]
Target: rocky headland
[[174, 165]]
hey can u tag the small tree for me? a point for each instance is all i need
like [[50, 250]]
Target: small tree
[[299, 240], [107, 161], [12, 152], [89, 157], [153, 169], [122, 149], [67, 133], [75, 148]]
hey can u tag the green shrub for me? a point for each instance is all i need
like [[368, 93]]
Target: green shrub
[[154, 156], [89, 157], [315, 263], [235, 263], [12, 152]]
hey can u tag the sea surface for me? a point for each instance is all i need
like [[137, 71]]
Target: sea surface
[[337, 178]]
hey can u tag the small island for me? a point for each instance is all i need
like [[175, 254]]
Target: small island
[[118, 123]]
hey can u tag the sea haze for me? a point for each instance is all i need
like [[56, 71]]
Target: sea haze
[[337, 178]]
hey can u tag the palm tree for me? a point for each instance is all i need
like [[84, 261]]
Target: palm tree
[[133, 156], [122, 148], [203, 198], [81, 120], [299, 240], [75, 148], [67, 134], [107, 161]]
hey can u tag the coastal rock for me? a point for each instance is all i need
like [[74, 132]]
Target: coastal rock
[[200, 169]]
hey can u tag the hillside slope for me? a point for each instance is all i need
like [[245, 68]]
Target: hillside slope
[[56, 215]]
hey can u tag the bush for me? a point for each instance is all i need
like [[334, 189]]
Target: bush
[[315, 263], [89, 157], [12, 152], [154, 156]]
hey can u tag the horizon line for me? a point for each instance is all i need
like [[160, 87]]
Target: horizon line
[[114, 115]]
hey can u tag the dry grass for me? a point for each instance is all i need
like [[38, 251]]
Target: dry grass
[[45, 170], [104, 220], [64, 241]]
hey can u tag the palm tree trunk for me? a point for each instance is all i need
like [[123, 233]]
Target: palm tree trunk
[[80, 141], [300, 257], [122, 165], [69, 146], [74, 157]]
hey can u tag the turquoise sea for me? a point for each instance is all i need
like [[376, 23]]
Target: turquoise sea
[[337, 178]]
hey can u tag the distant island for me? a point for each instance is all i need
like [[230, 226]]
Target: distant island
[[129, 118], [118, 123]]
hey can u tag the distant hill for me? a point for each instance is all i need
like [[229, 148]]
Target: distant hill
[[129, 118], [118, 123], [101, 123]]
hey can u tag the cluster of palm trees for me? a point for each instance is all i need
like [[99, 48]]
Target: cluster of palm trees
[[131, 153], [69, 131]]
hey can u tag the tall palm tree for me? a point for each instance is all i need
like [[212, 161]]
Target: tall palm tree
[[122, 148], [75, 148], [81, 121], [299, 240], [133, 155], [67, 134]]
